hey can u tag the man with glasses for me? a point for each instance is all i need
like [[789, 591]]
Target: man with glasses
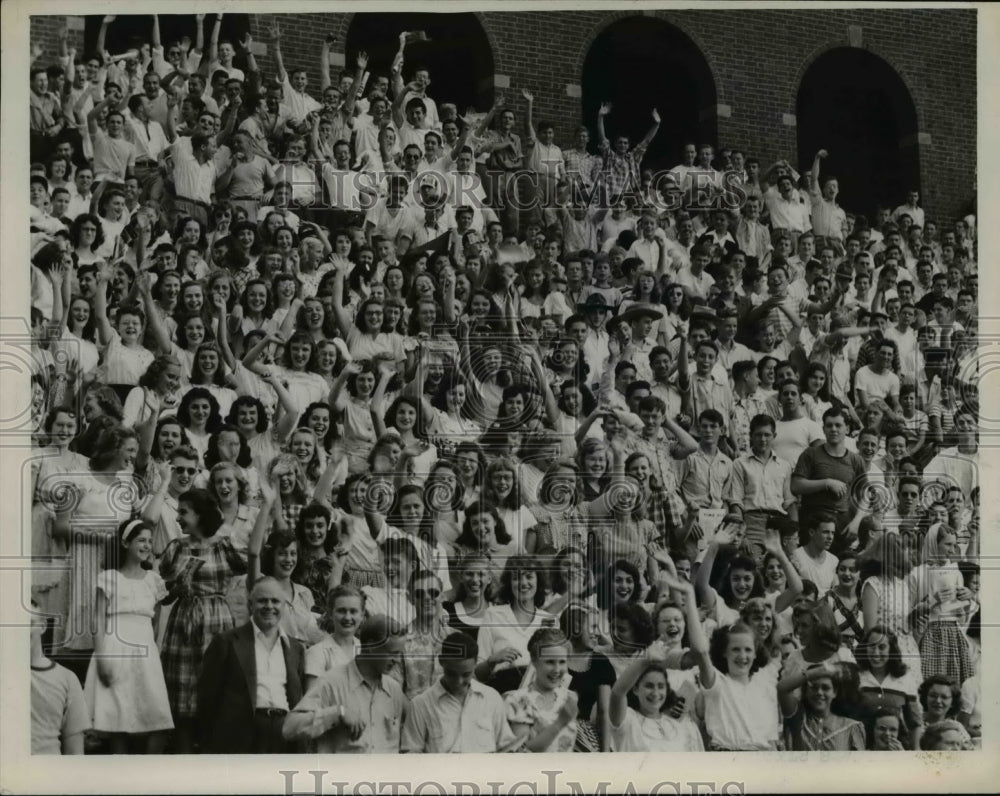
[[420, 665], [160, 507], [176, 57], [907, 506]]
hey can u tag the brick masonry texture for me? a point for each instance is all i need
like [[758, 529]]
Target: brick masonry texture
[[757, 59]]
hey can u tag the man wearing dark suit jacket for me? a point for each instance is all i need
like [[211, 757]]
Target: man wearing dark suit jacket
[[250, 677]]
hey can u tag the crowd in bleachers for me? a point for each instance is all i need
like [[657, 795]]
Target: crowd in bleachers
[[363, 425]]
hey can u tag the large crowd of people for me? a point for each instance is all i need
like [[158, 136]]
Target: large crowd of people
[[364, 425]]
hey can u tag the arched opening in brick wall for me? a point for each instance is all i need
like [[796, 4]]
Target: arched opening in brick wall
[[456, 52], [131, 30], [856, 106], [641, 63]]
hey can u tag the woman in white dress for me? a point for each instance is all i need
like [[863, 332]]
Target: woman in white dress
[[125, 689]]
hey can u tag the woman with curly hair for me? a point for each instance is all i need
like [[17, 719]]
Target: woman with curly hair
[[228, 446], [739, 688], [199, 413], [473, 577], [507, 626], [323, 548], [815, 725], [305, 447], [158, 392], [197, 569], [86, 234], [289, 492], [888, 683], [643, 708], [209, 371], [278, 557], [227, 485], [445, 497]]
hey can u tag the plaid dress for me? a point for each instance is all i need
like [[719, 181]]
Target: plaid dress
[[198, 614]]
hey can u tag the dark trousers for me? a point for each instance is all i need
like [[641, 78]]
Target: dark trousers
[[267, 738]]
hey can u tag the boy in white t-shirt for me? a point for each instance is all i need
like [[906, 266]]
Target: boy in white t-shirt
[[813, 561]]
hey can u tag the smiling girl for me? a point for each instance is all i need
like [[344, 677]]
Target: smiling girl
[[345, 610], [125, 689], [323, 549], [543, 714]]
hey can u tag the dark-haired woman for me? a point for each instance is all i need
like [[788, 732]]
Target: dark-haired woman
[[198, 412], [887, 682], [815, 726], [125, 690], [197, 569], [508, 626], [278, 557]]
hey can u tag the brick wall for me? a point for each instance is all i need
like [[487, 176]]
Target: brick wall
[[757, 59]]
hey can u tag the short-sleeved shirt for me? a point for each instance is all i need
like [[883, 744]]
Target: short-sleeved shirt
[[876, 385], [58, 709], [638, 733], [792, 437], [815, 464], [439, 723], [327, 655], [381, 706], [743, 716], [822, 573]]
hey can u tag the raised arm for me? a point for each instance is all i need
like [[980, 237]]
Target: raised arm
[[352, 95], [279, 62], [686, 444], [529, 127], [199, 35], [104, 330], [386, 370], [213, 42], [814, 171], [344, 323], [645, 142], [324, 64], [289, 410], [156, 325], [602, 138], [396, 83], [102, 32], [793, 582], [157, 42], [94, 114], [222, 337], [338, 400]]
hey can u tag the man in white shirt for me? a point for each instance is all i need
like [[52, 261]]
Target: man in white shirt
[[150, 142], [650, 246], [457, 713], [194, 176], [877, 380], [221, 53], [787, 208], [294, 84], [828, 218], [794, 432], [114, 155], [694, 279], [250, 677], [814, 561], [911, 209]]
